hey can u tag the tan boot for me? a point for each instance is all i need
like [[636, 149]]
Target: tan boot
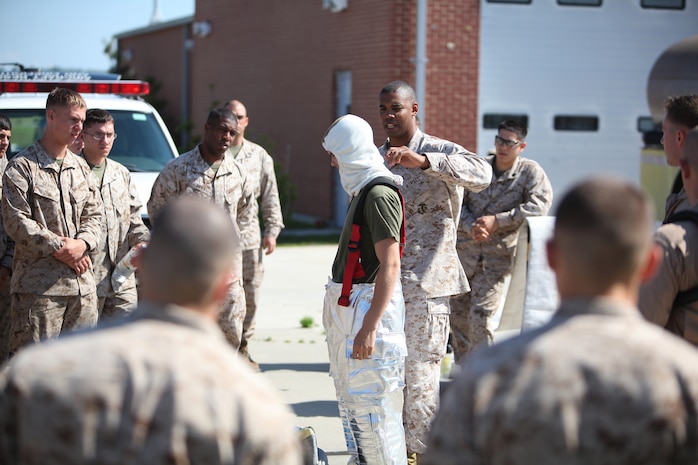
[[246, 355], [412, 458]]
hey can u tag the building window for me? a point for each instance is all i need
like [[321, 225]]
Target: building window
[[576, 123], [646, 124], [509, 1], [664, 4], [651, 131], [579, 2], [492, 120]]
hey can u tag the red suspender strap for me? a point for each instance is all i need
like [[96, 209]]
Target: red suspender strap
[[403, 234], [353, 268], [352, 261]]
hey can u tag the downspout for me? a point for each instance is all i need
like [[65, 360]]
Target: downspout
[[186, 77], [421, 61]]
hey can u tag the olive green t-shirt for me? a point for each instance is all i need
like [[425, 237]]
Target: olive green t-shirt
[[382, 219]]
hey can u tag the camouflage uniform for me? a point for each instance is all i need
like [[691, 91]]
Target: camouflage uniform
[[262, 179], [160, 386], [7, 250], [122, 228], [596, 385], [190, 174], [431, 271], [41, 202], [678, 272], [522, 191]]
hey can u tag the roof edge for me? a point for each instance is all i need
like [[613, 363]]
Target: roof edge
[[155, 27]]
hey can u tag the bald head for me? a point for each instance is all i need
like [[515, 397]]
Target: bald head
[[238, 109], [236, 106], [193, 247], [602, 237]]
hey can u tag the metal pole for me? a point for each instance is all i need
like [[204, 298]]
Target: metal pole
[[186, 84], [421, 61]]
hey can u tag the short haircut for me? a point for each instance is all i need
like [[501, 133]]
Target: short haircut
[[218, 114], [64, 98], [516, 126], [683, 110], [690, 150], [97, 116], [603, 231], [399, 87], [193, 242], [5, 123]]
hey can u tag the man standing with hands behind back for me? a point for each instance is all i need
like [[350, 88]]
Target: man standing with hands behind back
[[435, 173], [262, 179], [209, 171]]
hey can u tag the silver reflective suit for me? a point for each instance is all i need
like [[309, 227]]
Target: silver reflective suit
[[369, 392]]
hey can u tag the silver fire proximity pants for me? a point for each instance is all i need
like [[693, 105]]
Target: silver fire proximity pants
[[369, 392]]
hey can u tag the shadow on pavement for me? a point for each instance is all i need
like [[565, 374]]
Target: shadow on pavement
[[313, 367], [317, 408]]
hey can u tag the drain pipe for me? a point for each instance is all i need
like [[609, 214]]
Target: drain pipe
[[185, 92], [421, 61]]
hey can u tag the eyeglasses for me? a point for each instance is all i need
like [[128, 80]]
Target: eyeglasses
[[99, 136], [509, 143]]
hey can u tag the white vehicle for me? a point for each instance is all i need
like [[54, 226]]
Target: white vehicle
[[143, 145]]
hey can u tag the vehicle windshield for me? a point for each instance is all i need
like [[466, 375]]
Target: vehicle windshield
[[140, 146]]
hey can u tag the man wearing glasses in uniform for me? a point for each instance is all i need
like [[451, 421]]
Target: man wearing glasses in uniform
[[488, 233], [123, 227]]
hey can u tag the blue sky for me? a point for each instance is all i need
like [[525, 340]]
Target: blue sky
[[72, 35]]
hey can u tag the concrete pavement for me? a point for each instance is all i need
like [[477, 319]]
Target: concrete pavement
[[293, 358]]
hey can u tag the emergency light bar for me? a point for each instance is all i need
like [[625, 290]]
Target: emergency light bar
[[83, 87]]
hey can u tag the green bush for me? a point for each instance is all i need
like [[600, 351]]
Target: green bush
[[307, 322]]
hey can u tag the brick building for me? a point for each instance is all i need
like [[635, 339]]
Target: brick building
[[297, 65]]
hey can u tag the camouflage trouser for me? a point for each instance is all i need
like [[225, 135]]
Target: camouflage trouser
[[4, 322], [470, 313], [252, 273], [38, 317], [426, 330], [117, 304], [233, 314]]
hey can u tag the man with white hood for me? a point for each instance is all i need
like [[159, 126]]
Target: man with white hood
[[364, 316]]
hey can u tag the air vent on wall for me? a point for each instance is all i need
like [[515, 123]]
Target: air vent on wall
[[335, 6]]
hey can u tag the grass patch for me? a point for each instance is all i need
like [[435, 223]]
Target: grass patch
[[307, 322], [304, 232], [309, 239]]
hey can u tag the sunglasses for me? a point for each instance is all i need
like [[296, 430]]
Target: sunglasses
[[509, 143]]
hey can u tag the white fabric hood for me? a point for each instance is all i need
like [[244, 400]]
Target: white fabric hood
[[350, 139]]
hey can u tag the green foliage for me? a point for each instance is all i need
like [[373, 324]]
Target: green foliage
[[307, 322], [287, 188], [154, 98], [187, 127], [309, 239]]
